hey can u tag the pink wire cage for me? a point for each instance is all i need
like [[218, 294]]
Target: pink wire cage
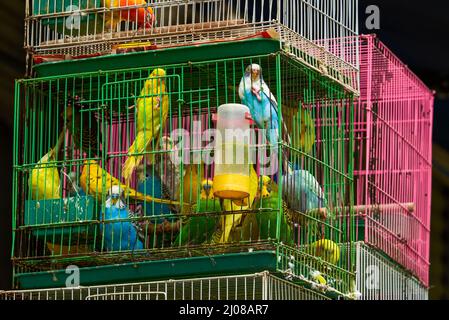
[[393, 170]]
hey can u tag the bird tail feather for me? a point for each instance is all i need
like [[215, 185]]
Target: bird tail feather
[[133, 161]]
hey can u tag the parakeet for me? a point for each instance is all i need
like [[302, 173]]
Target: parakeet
[[121, 235], [326, 249], [143, 16], [303, 194], [44, 180], [267, 219], [93, 179], [230, 221], [255, 94], [152, 110], [167, 168], [318, 277], [191, 188], [200, 228], [149, 183], [300, 123], [83, 127]]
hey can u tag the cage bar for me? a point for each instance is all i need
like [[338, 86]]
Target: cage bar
[[80, 128], [393, 140], [57, 29], [260, 286], [381, 278]]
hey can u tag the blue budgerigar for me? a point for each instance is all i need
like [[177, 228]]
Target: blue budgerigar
[[255, 94], [121, 235], [149, 183], [303, 194]]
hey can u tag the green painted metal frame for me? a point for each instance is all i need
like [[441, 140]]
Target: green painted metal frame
[[175, 57], [160, 57]]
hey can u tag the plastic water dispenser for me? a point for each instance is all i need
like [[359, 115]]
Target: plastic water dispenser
[[232, 159]]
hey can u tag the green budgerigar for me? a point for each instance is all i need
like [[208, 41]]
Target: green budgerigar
[[198, 229], [267, 219]]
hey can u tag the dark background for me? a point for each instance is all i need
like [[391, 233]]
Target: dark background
[[418, 32]]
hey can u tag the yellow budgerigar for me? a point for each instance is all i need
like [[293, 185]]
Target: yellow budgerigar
[[327, 250], [96, 182], [152, 110], [44, 180]]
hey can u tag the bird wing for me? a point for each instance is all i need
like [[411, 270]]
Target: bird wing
[[93, 178], [152, 112], [267, 92], [242, 86], [44, 181]]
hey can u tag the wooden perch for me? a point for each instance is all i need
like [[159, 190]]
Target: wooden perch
[[323, 212]]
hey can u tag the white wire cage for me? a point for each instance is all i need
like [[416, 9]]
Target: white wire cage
[[380, 278], [319, 32], [258, 286]]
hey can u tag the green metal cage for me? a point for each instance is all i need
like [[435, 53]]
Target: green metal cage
[[73, 137]]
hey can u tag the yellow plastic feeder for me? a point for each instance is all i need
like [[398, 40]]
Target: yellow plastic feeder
[[232, 159]]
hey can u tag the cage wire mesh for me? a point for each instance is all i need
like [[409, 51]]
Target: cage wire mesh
[[393, 140], [260, 286], [380, 278], [77, 136], [310, 29]]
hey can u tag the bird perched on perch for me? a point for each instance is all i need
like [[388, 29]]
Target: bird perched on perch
[[121, 235], [267, 220], [303, 194], [143, 16], [83, 127], [44, 180], [93, 179], [152, 110], [200, 228]]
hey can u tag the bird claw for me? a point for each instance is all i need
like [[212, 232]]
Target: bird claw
[[131, 107]]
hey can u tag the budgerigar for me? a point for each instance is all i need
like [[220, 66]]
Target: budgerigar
[[327, 250], [191, 188], [199, 229], [152, 110], [93, 179], [149, 183], [300, 122], [303, 194], [267, 220], [44, 180], [143, 16], [121, 235], [255, 94], [167, 168]]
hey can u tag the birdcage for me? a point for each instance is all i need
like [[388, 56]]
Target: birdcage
[[57, 29], [259, 286], [114, 169], [381, 278], [393, 140]]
